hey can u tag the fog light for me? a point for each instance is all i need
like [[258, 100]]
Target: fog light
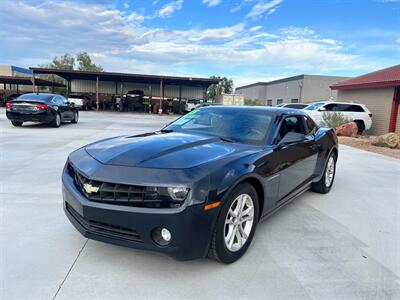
[[165, 234], [161, 236]]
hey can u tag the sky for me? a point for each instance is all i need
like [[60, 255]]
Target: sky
[[247, 40]]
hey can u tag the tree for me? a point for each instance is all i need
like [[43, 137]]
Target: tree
[[225, 86], [66, 61], [85, 63]]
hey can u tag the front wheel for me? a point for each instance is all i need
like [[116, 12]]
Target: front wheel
[[324, 185], [16, 123], [236, 225], [75, 119]]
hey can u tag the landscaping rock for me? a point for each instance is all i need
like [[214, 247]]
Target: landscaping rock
[[348, 129], [389, 140]]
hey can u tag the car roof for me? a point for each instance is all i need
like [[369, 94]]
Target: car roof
[[337, 102], [269, 109], [36, 97]]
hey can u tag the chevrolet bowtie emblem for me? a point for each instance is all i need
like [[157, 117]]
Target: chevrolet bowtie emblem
[[90, 188]]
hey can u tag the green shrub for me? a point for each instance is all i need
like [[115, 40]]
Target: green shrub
[[335, 119], [254, 102]]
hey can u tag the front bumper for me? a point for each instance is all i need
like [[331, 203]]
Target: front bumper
[[41, 116], [191, 227]]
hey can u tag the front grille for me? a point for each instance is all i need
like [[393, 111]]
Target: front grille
[[121, 194], [105, 229]]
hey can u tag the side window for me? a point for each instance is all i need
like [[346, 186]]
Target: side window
[[356, 108], [330, 107], [291, 124], [65, 101], [311, 126]]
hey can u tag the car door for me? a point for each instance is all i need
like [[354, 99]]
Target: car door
[[297, 160], [67, 113]]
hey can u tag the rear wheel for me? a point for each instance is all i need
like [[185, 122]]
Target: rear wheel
[[75, 119], [57, 121], [236, 225], [324, 185], [16, 123], [360, 126]]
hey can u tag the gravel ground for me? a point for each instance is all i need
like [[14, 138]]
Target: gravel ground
[[364, 143]]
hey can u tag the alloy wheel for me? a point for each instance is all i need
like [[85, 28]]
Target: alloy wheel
[[330, 171], [239, 222], [58, 120]]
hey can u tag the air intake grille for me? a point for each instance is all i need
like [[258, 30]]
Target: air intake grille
[[105, 229], [121, 194]]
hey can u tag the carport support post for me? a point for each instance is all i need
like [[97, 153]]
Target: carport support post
[[180, 99], [97, 93], [150, 96], [161, 97], [52, 83], [33, 82]]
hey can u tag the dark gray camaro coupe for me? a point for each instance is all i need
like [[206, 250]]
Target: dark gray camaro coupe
[[199, 186]]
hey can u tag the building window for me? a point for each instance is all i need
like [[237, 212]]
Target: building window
[[295, 101], [279, 101], [269, 102]]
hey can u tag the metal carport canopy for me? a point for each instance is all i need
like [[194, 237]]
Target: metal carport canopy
[[126, 77], [28, 81]]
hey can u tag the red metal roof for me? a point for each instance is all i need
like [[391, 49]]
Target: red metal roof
[[389, 77]]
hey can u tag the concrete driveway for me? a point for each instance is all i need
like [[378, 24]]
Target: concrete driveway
[[344, 245]]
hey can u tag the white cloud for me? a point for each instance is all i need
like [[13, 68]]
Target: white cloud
[[223, 33], [211, 3], [263, 7], [168, 9], [255, 28], [121, 42]]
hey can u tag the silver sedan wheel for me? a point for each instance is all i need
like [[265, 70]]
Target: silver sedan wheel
[[330, 172], [239, 222], [58, 120]]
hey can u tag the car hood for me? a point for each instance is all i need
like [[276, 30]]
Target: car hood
[[168, 150]]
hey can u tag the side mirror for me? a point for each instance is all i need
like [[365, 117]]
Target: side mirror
[[322, 109], [291, 138]]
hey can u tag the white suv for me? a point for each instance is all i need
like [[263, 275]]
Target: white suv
[[359, 113]]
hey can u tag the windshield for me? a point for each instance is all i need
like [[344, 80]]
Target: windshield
[[248, 126], [313, 106]]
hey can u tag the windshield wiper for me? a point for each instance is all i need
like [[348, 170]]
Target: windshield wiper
[[226, 139], [166, 130]]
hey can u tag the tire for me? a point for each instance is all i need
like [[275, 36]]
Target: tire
[[324, 185], [17, 123], [360, 126], [222, 248], [76, 117], [57, 121]]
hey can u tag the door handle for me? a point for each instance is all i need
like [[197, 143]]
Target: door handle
[[315, 147]]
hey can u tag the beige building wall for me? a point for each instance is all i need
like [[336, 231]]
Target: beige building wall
[[254, 92], [5, 70], [285, 90], [378, 101], [317, 88], [230, 99]]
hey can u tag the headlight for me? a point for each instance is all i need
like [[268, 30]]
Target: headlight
[[178, 193]]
